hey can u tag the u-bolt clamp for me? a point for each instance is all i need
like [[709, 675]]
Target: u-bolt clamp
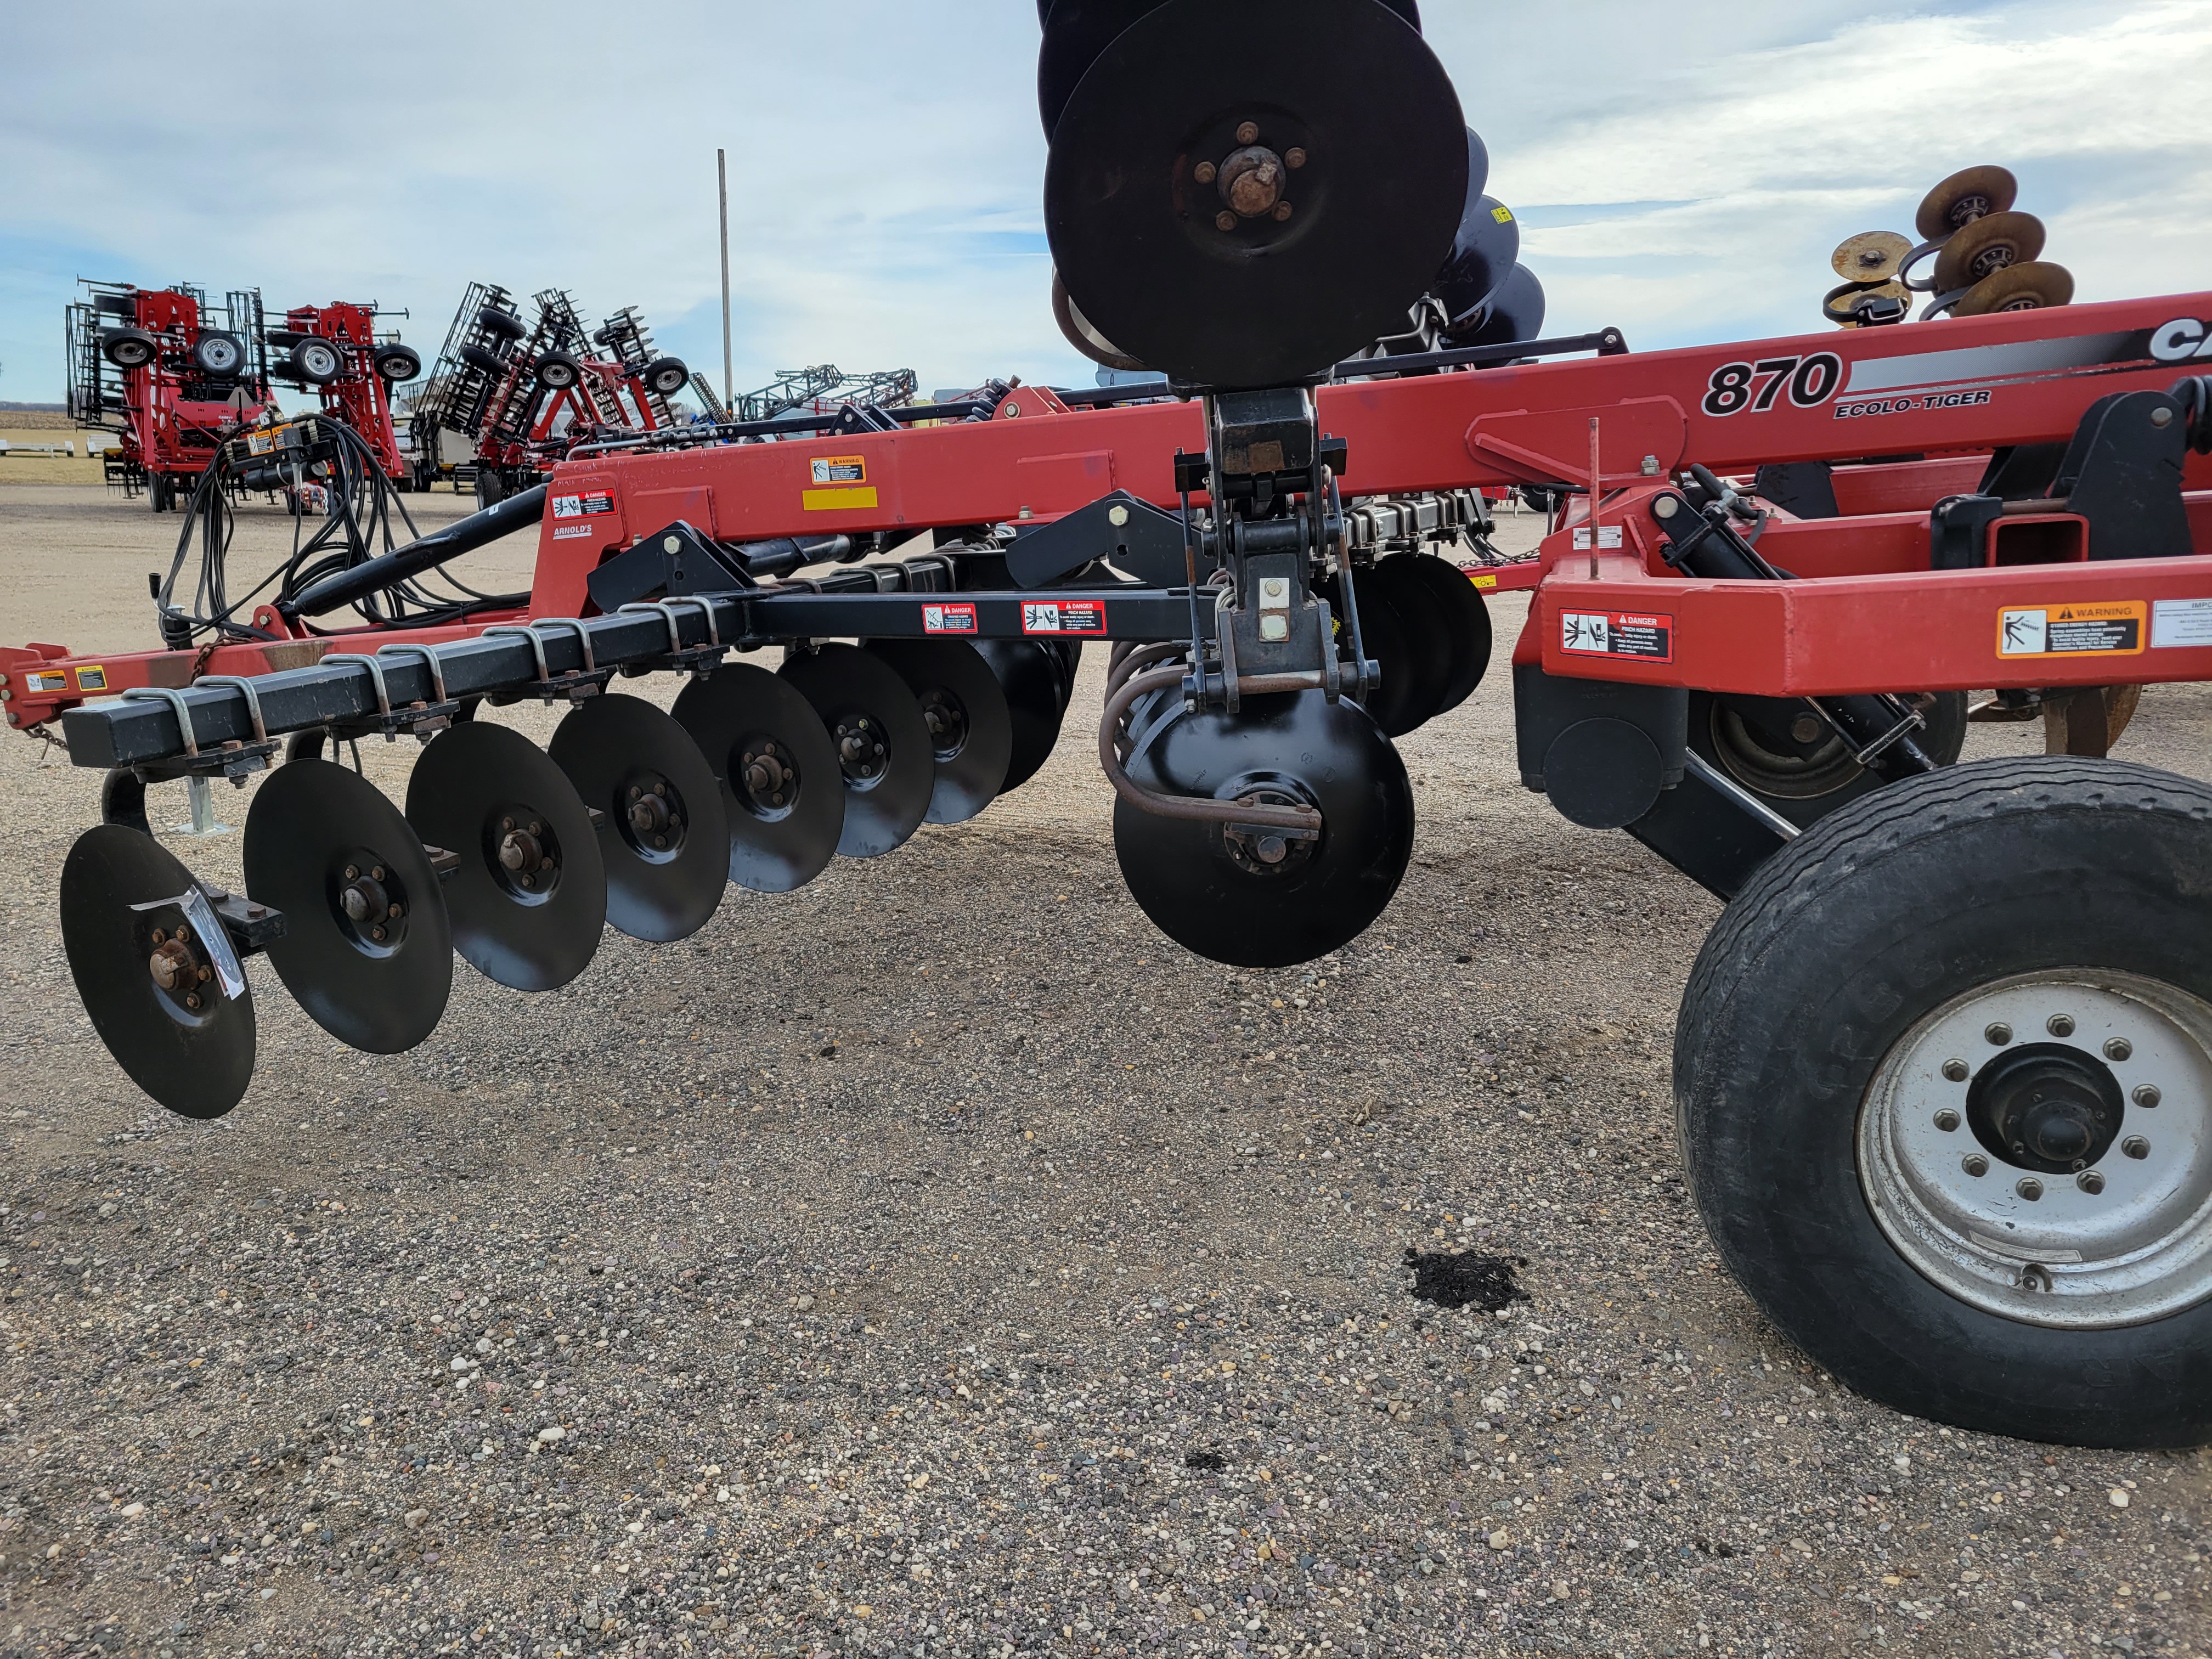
[[175, 699], [384, 717], [430, 656], [698, 659]]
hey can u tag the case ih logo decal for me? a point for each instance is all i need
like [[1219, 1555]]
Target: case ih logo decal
[[583, 506], [2181, 340]]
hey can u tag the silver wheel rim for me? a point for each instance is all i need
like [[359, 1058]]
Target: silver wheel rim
[[2120, 1237]]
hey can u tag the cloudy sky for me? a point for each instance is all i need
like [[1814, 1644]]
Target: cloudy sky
[[1682, 171]]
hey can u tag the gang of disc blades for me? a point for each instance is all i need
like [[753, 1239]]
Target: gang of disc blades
[[971, 729], [1872, 256], [529, 898], [1366, 217], [1076, 31], [1482, 257], [1985, 247], [879, 738], [1963, 197], [2033, 285], [665, 837], [1466, 621], [1514, 311], [1032, 677], [1395, 701], [119, 889], [367, 948], [1216, 893], [782, 796]]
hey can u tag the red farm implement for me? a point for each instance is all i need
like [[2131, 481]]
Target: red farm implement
[[1944, 1067], [335, 351]]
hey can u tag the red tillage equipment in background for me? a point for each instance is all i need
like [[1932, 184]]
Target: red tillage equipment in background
[[336, 351], [168, 375]]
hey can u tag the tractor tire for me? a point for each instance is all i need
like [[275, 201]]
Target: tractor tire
[[1943, 1087], [1746, 739], [500, 325], [557, 371], [128, 348], [491, 488], [666, 375], [396, 363], [314, 361]]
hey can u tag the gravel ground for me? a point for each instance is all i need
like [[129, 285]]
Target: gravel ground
[[935, 1260]]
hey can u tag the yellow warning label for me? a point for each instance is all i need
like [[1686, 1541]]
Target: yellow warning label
[[1503, 215], [817, 501], [2108, 628], [840, 469], [1484, 579], [93, 678]]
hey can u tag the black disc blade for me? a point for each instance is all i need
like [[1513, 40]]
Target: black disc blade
[[123, 900], [1033, 679], [367, 948], [783, 798], [1076, 31], [1319, 257], [971, 730], [1213, 894], [882, 745], [1465, 619], [1483, 252], [530, 897], [1515, 311], [1427, 633], [1396, 703], [665, 835]]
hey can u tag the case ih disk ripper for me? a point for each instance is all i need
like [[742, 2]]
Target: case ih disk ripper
[[1944, 1067]]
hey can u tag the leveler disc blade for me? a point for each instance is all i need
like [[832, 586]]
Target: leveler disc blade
[[1397, 584], [1032, 678], [1483, 253], [130, 912], [1397, 702], [1837, 304], [1075, 328], [531, 895], [882, 745], [781, 795], [1235, 898], [1319, 259], [1987, 246], [2031, 286], [971, 729], [1962, 198], [1514, 311], [367, 948], [1465, 620], [1872, 256], [665, 838], [1076, 31]]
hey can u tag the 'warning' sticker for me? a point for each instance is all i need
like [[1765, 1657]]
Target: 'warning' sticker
[[1646, 634], [39, 679], [840, 469], [92, 678], [2112, 628], [948, 619], [1063, 616], [1482, 578], [583, 504]]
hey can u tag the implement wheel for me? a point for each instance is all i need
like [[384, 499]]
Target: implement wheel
[[1943, 1083]]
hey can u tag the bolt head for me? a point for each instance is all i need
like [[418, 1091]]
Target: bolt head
[[352, 872], [1956, 1070], [2060, 1025], [1225, 220], [2136, 1146], [2118, 1048], [1975, 1164], [1205, 173], [1997, 1032], [2147, 1094], [2090, 1181], [2029, 1188], [1247, 132], [1947, 1120], [2161, 417], [1295, 156], [1282, 211]]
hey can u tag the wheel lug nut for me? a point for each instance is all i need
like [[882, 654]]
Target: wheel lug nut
[[1955, 1070], [1947, 1120], [2118, 1048], [2146, 1094], [1975, 1164], [1997, 1032], [2060, 1025], [2090, 1181], [2029, 1188], [2136, 1146], [353, 873]]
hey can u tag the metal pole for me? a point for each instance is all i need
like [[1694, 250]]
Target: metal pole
[[722, 186]]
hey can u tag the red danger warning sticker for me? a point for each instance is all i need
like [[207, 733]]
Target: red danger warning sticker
[[2111, 628], [948, 619], [1648, 634], [1063, 616], [583, 506]]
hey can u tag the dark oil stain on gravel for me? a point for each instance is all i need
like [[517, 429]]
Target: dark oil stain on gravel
[[1455, 1279], [1206, 1459]]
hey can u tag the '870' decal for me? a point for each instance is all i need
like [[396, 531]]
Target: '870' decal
[[1735, 387]]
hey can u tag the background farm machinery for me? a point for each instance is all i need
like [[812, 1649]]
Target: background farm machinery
[[1944, 1069]]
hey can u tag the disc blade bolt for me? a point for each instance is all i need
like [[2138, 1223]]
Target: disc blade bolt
[[1956, 1070], [1806, 728], [2147, 1094], [2060, 1025], [1204, 173], [1282, 211], [2118, 1048], [1295, 156], [1225, 220], [1248, 131], [2136, 1146], [191, 999], [376, 873], [353, 873], [1998, 1033]]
